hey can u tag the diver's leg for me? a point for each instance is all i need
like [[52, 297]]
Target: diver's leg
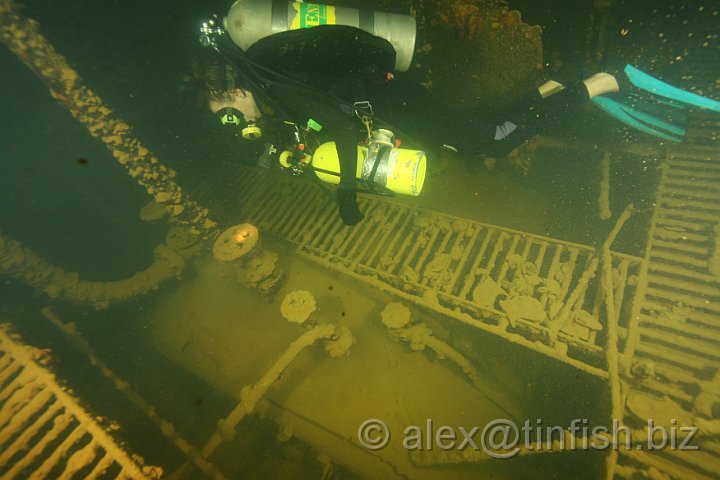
[[432, 122], [535, 111]]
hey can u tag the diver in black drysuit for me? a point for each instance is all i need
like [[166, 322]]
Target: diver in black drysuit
[[334, 66]]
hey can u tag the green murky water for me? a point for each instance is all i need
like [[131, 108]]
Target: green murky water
[[190, 346]]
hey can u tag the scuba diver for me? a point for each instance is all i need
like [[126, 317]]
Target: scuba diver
[[297, 71]]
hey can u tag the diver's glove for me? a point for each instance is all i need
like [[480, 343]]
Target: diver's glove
[[347, 205]]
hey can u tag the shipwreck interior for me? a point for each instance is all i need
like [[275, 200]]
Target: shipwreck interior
[[170, 309]]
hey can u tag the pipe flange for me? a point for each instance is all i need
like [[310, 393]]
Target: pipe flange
[[235, 242]]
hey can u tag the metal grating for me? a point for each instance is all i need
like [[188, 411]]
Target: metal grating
[[44, 433], [447, 263], [678, 312]]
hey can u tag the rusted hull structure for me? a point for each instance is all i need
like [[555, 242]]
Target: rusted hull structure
[[45, 433], [649, 326]]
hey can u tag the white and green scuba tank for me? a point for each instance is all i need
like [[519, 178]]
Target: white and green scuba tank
[[251, 20]]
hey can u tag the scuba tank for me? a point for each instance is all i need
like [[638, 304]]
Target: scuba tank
[[380, 163], [251, 20]]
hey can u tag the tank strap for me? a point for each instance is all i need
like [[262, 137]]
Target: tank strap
[[378, 157], [279, 21], [366, 20]]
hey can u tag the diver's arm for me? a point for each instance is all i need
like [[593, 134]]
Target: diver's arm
[[337, 126], [346, 195]]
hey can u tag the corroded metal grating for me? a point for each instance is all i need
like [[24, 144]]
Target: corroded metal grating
[[678, 309], [44, 433], [445, 262], [680, 317]]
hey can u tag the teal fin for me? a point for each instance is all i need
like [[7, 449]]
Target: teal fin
[[658, 112], [651, 84], [641, 120]]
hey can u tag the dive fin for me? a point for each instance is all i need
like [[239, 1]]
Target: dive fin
[[643, 121], [651, 84]]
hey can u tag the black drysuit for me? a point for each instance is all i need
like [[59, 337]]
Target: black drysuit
[[352, 65], [300, 105]]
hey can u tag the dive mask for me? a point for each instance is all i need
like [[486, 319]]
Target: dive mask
[[232, 116]]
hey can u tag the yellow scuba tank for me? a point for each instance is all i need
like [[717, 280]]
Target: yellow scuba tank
[[400, 170], [250, 20]]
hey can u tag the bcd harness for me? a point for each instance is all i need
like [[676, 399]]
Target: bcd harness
[[259, 79]]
